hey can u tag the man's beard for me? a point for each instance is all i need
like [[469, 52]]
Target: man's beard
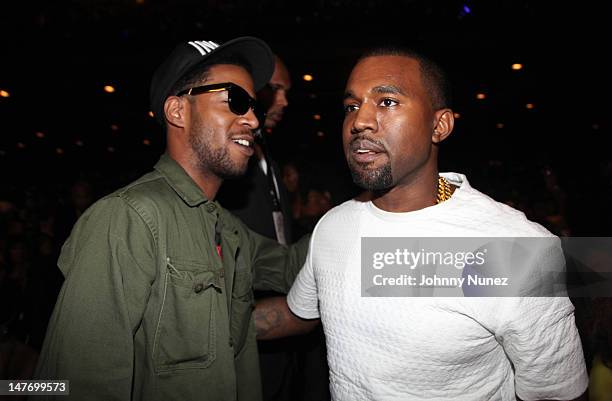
[[210, 159], [374, 180]]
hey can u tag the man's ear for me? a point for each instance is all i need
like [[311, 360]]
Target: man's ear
[[444, 121], [175, 110]]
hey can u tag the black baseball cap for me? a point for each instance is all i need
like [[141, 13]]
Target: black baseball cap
[[187, 55]]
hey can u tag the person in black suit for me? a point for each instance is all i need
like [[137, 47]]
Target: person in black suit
[[260, 200]]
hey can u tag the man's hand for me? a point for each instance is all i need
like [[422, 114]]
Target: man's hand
[[274, 319]]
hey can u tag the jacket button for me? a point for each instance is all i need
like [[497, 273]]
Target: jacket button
[[198, 288], [231, 342], [210, 207], [222, 273]]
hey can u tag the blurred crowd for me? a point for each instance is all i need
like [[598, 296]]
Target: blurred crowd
[[36, 219]]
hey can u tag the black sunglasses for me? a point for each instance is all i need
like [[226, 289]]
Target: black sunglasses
[[238, 99]]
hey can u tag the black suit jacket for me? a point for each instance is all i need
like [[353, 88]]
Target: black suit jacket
[[248, 197]]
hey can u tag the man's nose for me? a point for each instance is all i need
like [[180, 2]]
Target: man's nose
[[364, 119], [281, 98], [249, 120]]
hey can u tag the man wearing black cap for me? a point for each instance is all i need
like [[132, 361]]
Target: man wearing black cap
[[158, 294]]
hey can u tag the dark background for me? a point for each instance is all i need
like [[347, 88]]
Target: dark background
[[60, 132], [57, 56]]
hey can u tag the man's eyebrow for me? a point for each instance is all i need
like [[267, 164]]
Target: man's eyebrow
[[277, 86], [381, 89], [389, 89], [348, 95]]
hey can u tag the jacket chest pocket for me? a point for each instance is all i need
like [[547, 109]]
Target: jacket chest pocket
[[185, 337]]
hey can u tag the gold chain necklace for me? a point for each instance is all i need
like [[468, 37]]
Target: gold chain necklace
[[444, 190]]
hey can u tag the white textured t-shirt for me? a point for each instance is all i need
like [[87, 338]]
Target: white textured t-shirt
[[434, 348]]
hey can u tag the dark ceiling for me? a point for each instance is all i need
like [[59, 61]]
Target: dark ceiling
[[57, 56]]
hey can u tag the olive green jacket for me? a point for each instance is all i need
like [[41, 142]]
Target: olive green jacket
[[149, 310]]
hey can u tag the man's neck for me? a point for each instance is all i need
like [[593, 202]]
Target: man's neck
[[208, 183], [415, 193]]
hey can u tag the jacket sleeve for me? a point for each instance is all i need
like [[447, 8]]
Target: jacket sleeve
[[108, 264], [276, 266]]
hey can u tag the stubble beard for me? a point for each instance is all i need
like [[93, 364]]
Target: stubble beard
[[373, 179], [210, 159]]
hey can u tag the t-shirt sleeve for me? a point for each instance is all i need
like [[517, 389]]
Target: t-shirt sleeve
[[302, 298], [542, 341]]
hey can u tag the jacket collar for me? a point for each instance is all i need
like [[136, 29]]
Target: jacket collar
[[180, 181]]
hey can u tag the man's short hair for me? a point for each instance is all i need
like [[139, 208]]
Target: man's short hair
[[434, 78]]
